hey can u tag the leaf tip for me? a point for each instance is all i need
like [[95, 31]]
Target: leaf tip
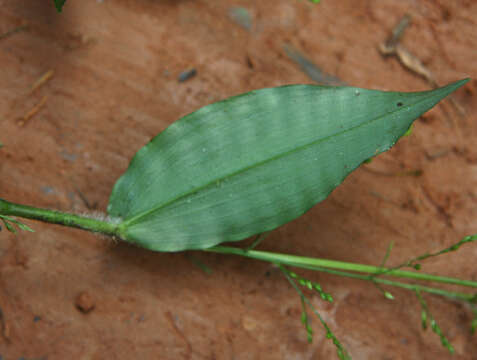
[[455, 85]]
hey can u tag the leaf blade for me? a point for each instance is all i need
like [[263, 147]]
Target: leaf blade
[[253, 162]]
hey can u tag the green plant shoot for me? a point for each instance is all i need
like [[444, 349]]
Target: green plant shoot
[[251, 163]]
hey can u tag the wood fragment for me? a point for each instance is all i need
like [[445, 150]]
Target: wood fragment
[[397, 33], [412, 62], [33, 111], [392, 47], [42, 80]]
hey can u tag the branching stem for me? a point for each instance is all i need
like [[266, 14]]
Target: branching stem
[[319, 264], [357, 271], [363, 272]]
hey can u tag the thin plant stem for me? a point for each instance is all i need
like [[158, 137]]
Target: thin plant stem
[[471, 298], [315, 263], [342, 353], [56, 217], [373, 273]]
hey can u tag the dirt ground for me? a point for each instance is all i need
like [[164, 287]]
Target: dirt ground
[[111, 84]]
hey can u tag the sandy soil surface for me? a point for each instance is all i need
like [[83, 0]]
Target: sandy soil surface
[[111, 84]]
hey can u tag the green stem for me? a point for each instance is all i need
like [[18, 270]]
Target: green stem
[[372, 272], [57, 217], [318, 264], [449, 294]]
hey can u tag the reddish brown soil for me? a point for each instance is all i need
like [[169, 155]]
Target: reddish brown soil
[[67, 294]]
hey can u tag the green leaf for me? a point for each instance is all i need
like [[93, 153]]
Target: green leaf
[[8, 226], [59, 4], [256, 161], [22, 226]]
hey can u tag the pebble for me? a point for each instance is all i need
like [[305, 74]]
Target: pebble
[[187, 74], [84, 302]]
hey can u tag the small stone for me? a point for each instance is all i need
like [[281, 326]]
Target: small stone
[[249, 323], [186, 75], [84, 302]]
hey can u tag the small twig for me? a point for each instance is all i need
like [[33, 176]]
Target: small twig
[[413, 63], [42, 80], [396, 34], [392, 47], [33, 111]]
